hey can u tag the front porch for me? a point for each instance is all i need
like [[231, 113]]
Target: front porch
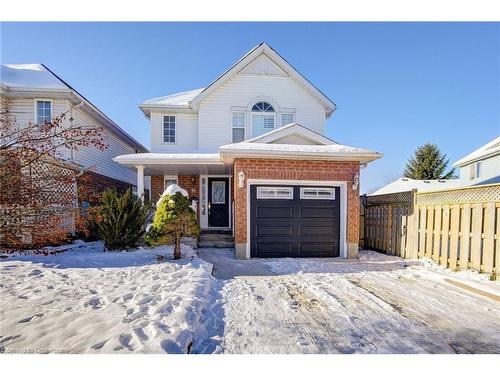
[[206, 178]]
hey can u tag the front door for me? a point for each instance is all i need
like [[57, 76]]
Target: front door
[[218, 202]]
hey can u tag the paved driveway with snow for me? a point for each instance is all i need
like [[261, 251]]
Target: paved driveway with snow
[[380, 304]]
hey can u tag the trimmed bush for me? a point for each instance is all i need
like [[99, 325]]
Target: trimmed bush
[[121, 219], [174, 219]]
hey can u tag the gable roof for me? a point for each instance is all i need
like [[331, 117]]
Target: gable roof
[[292, 129], [488, 150], [33, 78], [191, 99], [264, 48], [407, 184], [324, 149]]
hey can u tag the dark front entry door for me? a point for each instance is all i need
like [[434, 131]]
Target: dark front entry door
[[294, 221], [218, 202]]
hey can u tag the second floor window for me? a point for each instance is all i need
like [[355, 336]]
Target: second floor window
[[43, 111], [238, 127], [475, 170], [286, 118], [262, 118], [169, 129]]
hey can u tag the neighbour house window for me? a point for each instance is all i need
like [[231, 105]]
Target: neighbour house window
[[170, 180], [317, 193], [238, 126], [286, 118], [475, 170], [268, 192], [169, 129], [263, 118], [43, 111]]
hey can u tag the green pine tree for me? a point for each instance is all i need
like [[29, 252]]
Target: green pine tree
[[174, 219], [121, 219], [428, 163]]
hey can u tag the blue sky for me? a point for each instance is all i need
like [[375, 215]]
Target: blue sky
[[397, 85]]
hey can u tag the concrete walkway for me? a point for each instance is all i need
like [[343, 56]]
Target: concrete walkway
[[227, 267]]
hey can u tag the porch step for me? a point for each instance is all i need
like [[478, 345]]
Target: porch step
[[216, 244], [216, 238]]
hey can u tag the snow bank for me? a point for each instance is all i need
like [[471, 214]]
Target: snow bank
[[85, 300]]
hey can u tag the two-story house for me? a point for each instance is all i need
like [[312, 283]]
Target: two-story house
[[33, 93], [482, 166], [236, 146]]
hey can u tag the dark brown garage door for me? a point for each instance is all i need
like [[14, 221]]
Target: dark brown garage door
[[294, 221]]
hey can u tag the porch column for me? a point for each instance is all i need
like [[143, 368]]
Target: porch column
[[140, 181]]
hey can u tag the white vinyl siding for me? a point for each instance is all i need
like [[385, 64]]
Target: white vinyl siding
[[186, 133], [98, 161], [238, 127], [215, 121], [101, 161]]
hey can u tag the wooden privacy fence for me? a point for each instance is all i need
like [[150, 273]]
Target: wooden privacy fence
[[458, 228]]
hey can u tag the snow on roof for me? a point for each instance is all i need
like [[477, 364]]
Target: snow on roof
[[292, 128], [38, 77], [34, 76], [327, 151], [181, 99], [490, 149], [408, 184], [151, 157]]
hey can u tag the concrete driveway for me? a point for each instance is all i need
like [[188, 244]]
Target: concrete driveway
[[379, 304]]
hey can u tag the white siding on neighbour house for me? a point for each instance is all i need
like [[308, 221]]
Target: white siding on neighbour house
[[102, 161], [186, 128], [22, 111], [241, 91], [490, 168]]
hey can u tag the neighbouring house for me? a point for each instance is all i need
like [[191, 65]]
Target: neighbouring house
[[33, 93], [404, 184], [481, 166], [251, 149]]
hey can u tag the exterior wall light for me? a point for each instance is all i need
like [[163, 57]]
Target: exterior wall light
[[241, 179], [355, 182]]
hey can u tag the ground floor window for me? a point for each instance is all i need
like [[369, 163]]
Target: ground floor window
[[170, 180]]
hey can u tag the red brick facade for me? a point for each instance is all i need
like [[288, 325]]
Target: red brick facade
[[189, 183], [312, 170]]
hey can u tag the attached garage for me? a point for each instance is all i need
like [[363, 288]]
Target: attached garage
[[294, 221]]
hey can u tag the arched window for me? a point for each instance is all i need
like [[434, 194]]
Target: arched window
[[263, 118]]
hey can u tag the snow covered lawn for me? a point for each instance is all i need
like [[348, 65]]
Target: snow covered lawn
[[88, 301], [380, 304]]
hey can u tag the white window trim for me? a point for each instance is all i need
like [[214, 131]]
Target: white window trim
[[238, 127], [475, 170], [261, 114], [163, 129], [342, 201], [170, 177], [35, 118], [275, 188], [286, 113], [317, 197]]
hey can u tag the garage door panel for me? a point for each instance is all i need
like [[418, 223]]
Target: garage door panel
[[316, 212], [317, 230], [274, 230], [280, 248], [274, 212], [295, 227]]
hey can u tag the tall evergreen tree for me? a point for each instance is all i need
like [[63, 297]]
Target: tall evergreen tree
[[428, 163]]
